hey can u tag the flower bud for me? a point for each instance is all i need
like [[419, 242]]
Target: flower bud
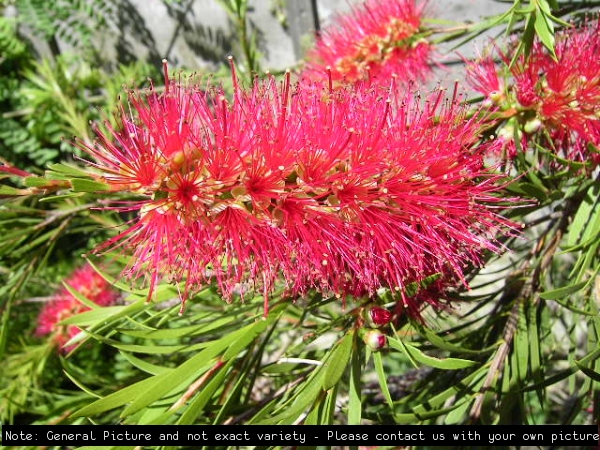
[[496, 97], [531, 126], [377, 317], [374, 339]]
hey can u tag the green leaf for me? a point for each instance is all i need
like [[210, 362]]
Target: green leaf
[[337, 362], [300, 400], [564, 291], [11, 191], [588, 372], [377, 359], [521, 347], [545, 30], [83, 185], [196, 406], [144, 366], [100, 315], [588, 208], [418, 355], [54, 198], [529, 189], [196, 366], [250, 334], [413, 288], [66, 171], [443, 344], [35, 181], [176, 333], [354, 394], [121, 397], [467, 386], [574, 367], [457, 415]]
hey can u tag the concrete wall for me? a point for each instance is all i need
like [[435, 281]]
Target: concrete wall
[[199, 35]]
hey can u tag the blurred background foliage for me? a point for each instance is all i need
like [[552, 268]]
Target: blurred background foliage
[[520, 347]]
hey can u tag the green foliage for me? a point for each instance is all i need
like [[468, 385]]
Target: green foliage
[[12, 47], [238, 13], [74, 21]]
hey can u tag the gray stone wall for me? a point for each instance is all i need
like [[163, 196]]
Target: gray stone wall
[[198, 34]]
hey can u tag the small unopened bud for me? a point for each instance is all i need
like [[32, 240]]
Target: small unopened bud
[[531, 126], [496, 97], [377, 317], [374, 339]]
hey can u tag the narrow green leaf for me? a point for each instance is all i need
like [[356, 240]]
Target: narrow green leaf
[[574, 367], [382, 379], [563, 292], [54, 198], [328, 411], [310, 390], [441, 343], [458, 414], [244, 339], [35, 181], [530, 190], [583, 215], [545, 30], [466, 386], [535, 351], [354, 392], [201, 399], [80, 385], [83, 185], [521, 347], [66, 170], [566, 304], [191, 369], [418, 355], [11, 191], [119, 398], [144, 366], [589, 372], [94, 316], [154, 349], [314, 415], [176, 333], [337, 362], [398, 344]]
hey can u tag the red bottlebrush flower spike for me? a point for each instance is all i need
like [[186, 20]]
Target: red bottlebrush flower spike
[[376, 40], [344, 191], [63, 304], [559, 96]]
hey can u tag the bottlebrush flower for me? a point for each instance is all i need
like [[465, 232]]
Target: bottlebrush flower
[[63, 304], [342, 190], [557, 97], [378, 39]]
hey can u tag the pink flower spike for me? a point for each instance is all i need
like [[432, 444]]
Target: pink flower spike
[[376, 40], [342, 190], [551, 102], [63, 305]]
